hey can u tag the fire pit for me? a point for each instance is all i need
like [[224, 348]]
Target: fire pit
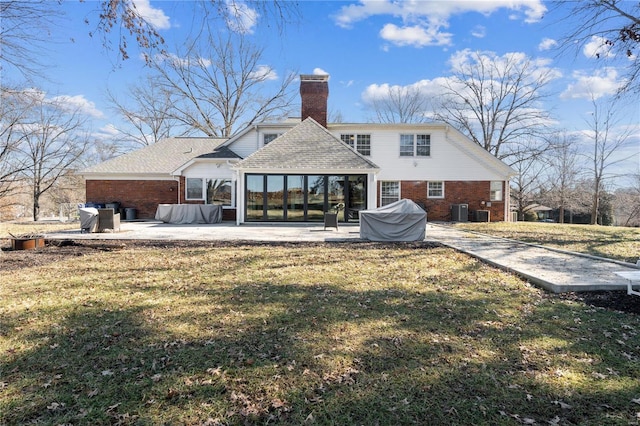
[[27, 242]]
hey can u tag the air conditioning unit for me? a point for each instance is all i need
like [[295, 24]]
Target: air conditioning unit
[[460, 212], [482, 216]]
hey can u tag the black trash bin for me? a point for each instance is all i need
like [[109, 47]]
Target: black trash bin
[[130, 214], [115, 206]]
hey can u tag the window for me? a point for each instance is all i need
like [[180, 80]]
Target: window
[[389, 192], [496, 191], [219, 191], [194, 189], [415, 145], [361, 143], [423, 145], [268, 137], [406, 145], [435, 190], [348, 139]]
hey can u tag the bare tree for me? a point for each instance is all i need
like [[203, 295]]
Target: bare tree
[[25, 26], [127, 22], [13, 108], [527, 184], [563, 169], [400, 104], [147, 112], [53, 141], [627, 203], [496, 101], [613, 26], [607, 138], [222, 86]]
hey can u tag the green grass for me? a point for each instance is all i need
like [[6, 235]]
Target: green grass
[[305, 334], [612, 242]]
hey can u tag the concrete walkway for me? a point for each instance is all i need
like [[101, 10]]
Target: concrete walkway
[[553, 270]]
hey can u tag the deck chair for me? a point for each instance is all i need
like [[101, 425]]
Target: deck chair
[[331, 217], [108, 219]]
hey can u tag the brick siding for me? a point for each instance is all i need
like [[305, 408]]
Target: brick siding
[[472, 193]]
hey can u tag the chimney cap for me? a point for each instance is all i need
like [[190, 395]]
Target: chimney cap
[[314, 77]]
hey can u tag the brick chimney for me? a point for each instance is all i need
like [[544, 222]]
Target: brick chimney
[[314, 92]]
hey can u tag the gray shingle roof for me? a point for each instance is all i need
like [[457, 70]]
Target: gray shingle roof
[[307, 146], [221, 152], [163, 157]]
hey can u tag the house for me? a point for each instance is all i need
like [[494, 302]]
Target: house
[[295, 170]]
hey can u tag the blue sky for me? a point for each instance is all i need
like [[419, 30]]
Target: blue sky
[[362, 45]]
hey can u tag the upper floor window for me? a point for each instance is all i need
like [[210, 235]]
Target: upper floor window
[[496, 191], [415, 145], [268, 137], [361, 143]]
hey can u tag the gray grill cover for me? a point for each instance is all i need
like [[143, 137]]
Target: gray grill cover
[[403, 220]]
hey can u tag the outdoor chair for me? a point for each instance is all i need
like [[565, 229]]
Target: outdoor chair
[[331, 218], [108, 219]]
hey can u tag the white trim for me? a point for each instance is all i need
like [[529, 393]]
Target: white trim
[[101, 176]]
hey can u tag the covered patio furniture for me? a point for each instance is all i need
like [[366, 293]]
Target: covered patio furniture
[[88, 219], [403, 220], [189, 213]]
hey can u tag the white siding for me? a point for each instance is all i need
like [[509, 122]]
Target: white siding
[[248, 143], [448, 160], [209, 170]]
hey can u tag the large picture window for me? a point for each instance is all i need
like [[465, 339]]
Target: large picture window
[[212, 191], [219, 191], [389, 192]]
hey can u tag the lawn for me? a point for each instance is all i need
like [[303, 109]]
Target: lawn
[[613, 242], [325, 334]]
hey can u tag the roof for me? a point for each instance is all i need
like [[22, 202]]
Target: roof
[[307, 146], [221, 152], [163, 157]]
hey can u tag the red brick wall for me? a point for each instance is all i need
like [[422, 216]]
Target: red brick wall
[[455, 192], [314, 96], [142, 195]]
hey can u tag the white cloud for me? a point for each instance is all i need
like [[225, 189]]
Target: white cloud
[[79, 103], [428, 88], [416, 36], [423, 22], [547, 44], [479, 31], [263, 73], [598, 48], [604, 82], [240, 17], [155, 17], [319, 71]]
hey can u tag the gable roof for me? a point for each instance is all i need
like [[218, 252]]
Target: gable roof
[[163, 157], [307, 146]]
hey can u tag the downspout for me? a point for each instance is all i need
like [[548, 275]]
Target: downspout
[[178, 194]]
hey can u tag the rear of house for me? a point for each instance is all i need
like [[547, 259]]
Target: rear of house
[[294, 171]]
